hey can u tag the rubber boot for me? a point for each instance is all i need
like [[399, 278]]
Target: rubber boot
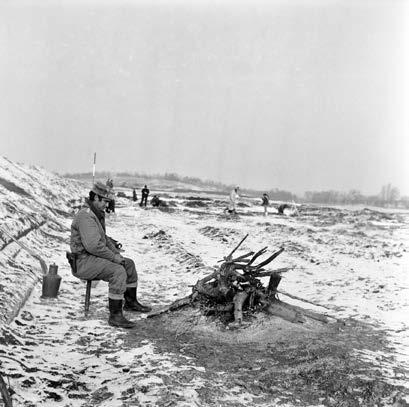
[[131, 302], [116, 317]]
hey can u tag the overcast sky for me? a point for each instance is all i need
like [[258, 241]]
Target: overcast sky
[[298, 95]]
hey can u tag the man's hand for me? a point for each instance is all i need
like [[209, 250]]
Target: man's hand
[[120, 260]]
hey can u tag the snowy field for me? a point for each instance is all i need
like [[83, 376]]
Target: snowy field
[[353, 261]]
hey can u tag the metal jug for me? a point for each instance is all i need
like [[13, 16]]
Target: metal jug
[[51, 282]]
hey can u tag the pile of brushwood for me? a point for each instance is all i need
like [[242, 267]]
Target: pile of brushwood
[[235, 289]]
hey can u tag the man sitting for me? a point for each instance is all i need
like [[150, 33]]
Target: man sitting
[[99, 259]]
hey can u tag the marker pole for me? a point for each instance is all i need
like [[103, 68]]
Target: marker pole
[[93, 169]]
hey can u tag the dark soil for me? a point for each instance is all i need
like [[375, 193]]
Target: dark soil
[[301, 369]]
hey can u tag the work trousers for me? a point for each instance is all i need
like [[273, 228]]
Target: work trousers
[[119, 277]]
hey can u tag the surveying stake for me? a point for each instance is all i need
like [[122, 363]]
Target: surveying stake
[[93, 169]]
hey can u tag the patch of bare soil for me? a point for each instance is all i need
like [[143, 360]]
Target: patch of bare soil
[[272, 359], [221, 234], [164, 241]]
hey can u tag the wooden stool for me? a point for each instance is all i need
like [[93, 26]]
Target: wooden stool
[[72, 259], [87, 294]]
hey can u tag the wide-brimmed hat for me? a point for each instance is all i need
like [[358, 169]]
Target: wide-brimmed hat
[[101, 190]]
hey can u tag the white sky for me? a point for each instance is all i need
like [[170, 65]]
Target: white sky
[[299, 95]]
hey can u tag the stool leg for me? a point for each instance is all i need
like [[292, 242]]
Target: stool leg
[[88, 295]]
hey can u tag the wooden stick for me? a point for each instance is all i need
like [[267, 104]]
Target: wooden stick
[[174, 306], [311, 314], [259, 253], [242, 257], [268, 273], [242, 240], [301, 299], [238, 301], [244, 266], [270, 259]]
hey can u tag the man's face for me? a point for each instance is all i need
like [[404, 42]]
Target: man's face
[[101, 204]]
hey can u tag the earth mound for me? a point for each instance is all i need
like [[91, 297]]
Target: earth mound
[[257, 328]]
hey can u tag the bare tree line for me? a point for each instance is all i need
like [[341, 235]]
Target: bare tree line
[[389, 195]]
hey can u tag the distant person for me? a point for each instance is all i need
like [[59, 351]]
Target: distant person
[[282, 207], [134, 196], [145, 194], [233, 200], [111, 204], [265, 203], [155, 201], [110, 183], [99, 258]]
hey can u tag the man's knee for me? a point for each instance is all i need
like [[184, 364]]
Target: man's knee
[[117, 282]]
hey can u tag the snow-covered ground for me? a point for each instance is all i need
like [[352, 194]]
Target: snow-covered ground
[[352, 261]]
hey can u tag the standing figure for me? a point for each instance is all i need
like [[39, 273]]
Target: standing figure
[[145, 194], [134, 196], [111, 196], [97, 258], [110, 183], [265, 202], [233, 198]]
